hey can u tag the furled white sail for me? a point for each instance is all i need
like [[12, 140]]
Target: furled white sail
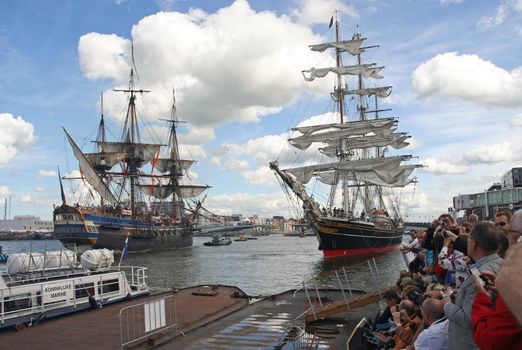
[[90, 173], [368, 177], [365, 70], [104, 159], [381, 91], [395, 140], [393, 178], [372, 123], [351, 46], [187, 191], [165, 165], [326, 136], [304, 174], [143, 152]]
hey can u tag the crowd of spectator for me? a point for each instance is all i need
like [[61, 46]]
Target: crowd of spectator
[[462, 289]]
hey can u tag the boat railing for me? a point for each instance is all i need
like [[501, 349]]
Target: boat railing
[[39, 298], [136, 275], [315, 288]]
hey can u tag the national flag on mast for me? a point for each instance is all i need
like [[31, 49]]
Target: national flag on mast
[[125, 246], [331, 23]]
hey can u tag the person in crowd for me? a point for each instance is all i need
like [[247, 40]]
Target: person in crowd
[[502, 221], [515, 228], [435, 333], [384, 320], [482, 248], [494, 326], [407, 323], [453, 261], [473, 220], [503, 244], [509, 280]]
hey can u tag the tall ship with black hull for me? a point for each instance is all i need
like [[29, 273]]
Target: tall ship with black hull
[[132, 190], [357, 172]]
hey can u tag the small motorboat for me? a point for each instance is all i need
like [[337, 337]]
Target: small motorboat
[[218, 240], [241, 239]]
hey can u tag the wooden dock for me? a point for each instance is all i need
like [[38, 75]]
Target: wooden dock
[[100, 328]]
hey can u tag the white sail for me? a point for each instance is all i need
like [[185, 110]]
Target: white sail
[[187, 191], [395, 140], [158, 191], [381, 91], [372, 123], [399, 178], [364, 70], [90, 173], [351, 46], [304, 174], [326, 136], [144, 152], [104, 159], [165, 165]]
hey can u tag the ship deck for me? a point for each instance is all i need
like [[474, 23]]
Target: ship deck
[[212, 321]]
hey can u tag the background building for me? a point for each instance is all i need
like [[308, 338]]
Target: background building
[[24, 223], [503, 196]]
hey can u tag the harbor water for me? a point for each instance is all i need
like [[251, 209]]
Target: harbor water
[[266, 266]]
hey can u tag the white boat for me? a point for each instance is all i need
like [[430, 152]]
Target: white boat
[[31, 292]]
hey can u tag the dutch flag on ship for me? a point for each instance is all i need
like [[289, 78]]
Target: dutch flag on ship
[[125, 244]]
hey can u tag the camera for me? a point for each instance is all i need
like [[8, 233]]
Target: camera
[[440, 222]]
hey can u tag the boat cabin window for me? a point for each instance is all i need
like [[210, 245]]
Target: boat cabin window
[[84, 290], [109, 286]]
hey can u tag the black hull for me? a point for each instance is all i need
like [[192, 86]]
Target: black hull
[[164, 238], [343, 238]]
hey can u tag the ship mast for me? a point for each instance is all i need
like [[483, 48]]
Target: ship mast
[[131, 135], [178, 207]]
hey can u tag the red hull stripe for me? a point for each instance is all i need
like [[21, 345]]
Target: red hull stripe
[[357, 252]]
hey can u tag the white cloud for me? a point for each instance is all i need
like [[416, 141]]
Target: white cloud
[[492, 153], [320, 11], [502, 12], [26, 199], [104, 56], [4, 192], [233, 164], [262, 176], [518, 6], [516, 121], [442, 167], [265, 205], [196, 136], [46, 173], [232, 65], [468, 77], [215, 160], [39, 189], [450, 1], [15, 134]]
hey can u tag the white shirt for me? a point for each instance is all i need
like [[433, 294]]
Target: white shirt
[[435, 337]]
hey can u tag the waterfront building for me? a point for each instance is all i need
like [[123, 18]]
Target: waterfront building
[[25, 223], [503, 196]]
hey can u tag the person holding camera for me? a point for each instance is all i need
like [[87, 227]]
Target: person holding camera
[[482, 248], [453, 261], [494, 326]]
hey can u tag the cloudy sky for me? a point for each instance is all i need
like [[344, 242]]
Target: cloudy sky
[[455, 67]]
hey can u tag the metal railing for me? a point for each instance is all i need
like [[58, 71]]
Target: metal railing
[[142, 321]]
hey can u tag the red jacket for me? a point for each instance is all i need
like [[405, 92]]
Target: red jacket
[[494, 327]]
